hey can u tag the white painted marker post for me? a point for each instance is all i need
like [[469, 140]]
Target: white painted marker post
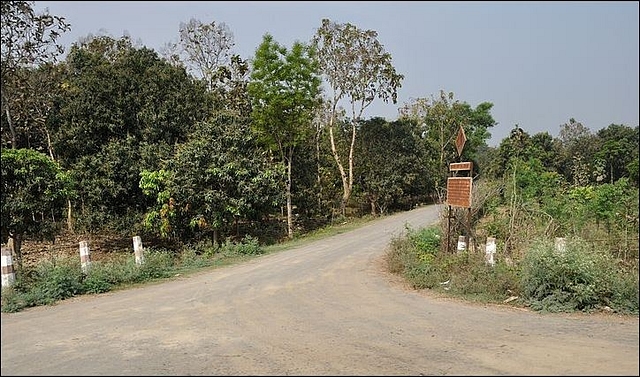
[[490, 250], [561, 244], [85, 258], [8, 274], [138, 250], [462, 243]]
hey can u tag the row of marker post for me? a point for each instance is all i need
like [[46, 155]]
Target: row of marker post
[[8, 272], [490, 247]]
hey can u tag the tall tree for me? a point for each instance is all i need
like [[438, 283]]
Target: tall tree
[[579, 146], [206, 52], [285, 93], [441, 119], [358, 69], [29, 48], [546, 149]]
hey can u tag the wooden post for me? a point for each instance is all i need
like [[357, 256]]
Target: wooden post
[[8, 274], [138, 250], [448, 229], [85, 257]]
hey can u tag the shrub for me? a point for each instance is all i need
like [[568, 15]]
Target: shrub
[[248, 246], [426, 242], [57, 280], [579, 278]]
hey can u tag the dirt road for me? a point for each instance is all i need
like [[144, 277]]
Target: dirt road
[[326, 308]]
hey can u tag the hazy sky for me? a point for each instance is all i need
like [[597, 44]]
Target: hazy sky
[[539, 63]]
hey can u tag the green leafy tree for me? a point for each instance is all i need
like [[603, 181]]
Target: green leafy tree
[[546, 149], [392, 174], [285, 93], [219, 177], [123, 110], [618, 151], [356, 68], [34, 189], [615, 205], [441, 118]]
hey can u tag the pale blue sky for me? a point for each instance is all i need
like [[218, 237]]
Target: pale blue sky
[[539, 63]]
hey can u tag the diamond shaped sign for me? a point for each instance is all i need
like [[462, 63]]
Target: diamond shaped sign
[[460, 140]]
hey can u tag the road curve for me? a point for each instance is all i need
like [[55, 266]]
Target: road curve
[[320, 309]]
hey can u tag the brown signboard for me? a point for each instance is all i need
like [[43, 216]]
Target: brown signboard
[[459, 191], [457, 166]]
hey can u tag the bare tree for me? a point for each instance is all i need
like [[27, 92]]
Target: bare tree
[[205, 49], [28, 43], [357, 68]]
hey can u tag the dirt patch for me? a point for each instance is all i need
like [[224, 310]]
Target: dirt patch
[[101, 247]]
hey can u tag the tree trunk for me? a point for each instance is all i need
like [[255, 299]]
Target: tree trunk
[[15, 243], [318, 173], [69, 217], [346, 192], [289, 204], [372, 201], [215, 237], [12, 129]]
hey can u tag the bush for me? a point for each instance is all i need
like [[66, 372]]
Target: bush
[[420, 259], [248, 246], [579, 278], [57, 280], [625, 291], [426, 242]]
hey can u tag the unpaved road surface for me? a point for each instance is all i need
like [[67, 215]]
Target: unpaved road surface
[[326, 308]]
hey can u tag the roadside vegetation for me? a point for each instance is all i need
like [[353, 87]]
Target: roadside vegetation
[[61, 277], [596, 269]]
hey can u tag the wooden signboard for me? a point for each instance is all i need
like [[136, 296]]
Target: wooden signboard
[[459, 191], [460, 166]]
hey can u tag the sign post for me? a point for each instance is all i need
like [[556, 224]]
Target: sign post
[[459, 189]]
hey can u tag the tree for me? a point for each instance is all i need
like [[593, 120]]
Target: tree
[[34, 189], [285, 92], [123, 110], [358, 69], [579, 145], [206, 52], [29, 49], [441, 118], [204, 48], [546, 149], [619, 150], [217, 178], [392, 174]]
